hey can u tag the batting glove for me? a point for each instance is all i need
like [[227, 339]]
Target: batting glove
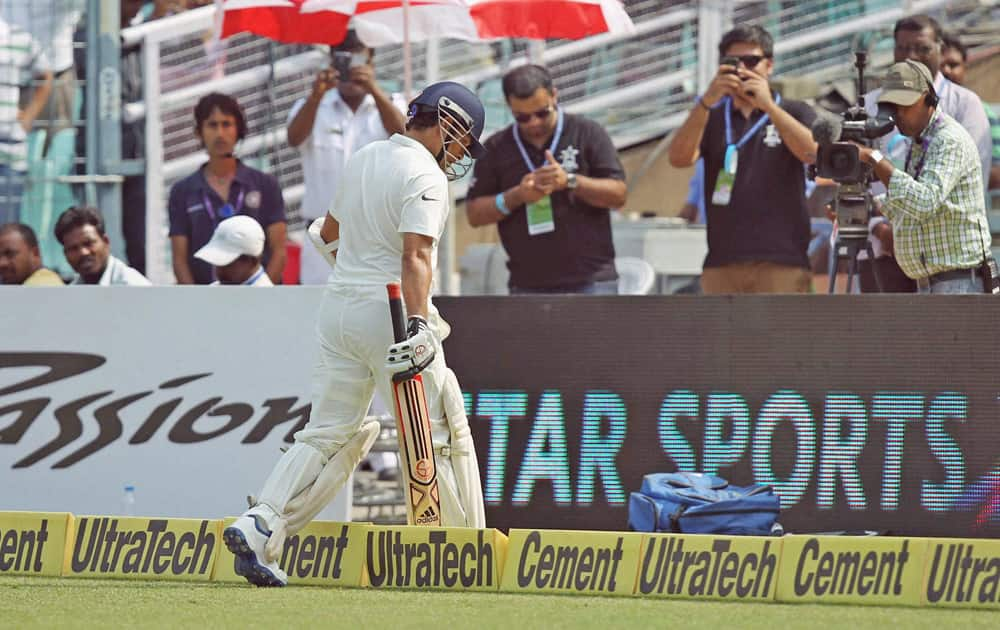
[[408, 358]]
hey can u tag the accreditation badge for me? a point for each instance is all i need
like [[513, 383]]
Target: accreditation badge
[[723, 188], [540, 217], [723, 191]]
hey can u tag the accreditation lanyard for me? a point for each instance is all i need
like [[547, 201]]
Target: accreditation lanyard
[[250, 281], [225, 211], [552, 147], [732, 150], [925, 144]]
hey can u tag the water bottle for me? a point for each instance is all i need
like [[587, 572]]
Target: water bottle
[[128, 501]]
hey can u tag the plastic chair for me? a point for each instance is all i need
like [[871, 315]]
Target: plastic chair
[[635, 276]]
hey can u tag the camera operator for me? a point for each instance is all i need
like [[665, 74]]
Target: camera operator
[[920, 38], [752, 141], [345, 110], [941, 235]]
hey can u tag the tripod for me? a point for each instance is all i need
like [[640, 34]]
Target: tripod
[[848, 248], [853, 207]]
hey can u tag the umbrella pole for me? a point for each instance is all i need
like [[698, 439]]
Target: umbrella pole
[[407, 55]]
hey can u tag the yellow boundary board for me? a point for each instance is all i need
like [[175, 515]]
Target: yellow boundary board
[[950, 572]]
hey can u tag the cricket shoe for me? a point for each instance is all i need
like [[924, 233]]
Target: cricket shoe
[[246, 539]]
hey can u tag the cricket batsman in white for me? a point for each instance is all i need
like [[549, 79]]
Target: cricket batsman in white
[[383, 226]]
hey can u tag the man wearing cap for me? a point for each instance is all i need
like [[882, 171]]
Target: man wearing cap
[[384, 228], [235, 251], [920, 38], [935, 203]]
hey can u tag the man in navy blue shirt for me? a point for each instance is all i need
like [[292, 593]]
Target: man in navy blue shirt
[[221, 188]]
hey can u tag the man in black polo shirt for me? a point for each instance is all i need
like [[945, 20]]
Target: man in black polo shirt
[[221, 188], [754, 144], [548, 182]]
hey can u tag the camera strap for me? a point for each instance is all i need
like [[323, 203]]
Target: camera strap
[[925, 144], [732, 150]]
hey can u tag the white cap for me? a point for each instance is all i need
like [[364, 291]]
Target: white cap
[[234, 237]]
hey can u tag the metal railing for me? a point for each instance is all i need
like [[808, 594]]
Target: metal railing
[[638, 86]]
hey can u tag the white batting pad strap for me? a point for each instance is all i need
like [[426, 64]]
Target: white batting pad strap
[[326, 250], [464, 462], [295, 471], [332, 478]]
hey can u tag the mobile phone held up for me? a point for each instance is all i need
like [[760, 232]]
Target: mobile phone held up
[[342, 64]]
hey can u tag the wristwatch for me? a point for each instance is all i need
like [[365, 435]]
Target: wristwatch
[[571, 181], [876, 157]]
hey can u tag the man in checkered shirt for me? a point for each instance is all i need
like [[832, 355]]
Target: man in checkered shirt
[[936, 203]]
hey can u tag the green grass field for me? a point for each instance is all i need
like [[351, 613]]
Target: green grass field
[[65, 603]]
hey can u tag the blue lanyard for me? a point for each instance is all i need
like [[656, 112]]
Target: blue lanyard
[[733, 148], [254, 277], [925, 144], [552, 147], [225, 211]]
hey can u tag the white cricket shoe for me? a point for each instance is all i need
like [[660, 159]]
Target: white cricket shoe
[[246, 539]]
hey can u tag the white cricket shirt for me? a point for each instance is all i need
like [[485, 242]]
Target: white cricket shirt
[[337, 133], [396, 187]]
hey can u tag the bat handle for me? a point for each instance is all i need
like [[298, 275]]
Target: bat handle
[[396, 311]]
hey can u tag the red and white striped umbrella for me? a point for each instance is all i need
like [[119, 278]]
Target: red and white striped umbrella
[[381, 22]]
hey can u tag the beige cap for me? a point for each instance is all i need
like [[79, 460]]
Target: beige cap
[[234, 237], [905, 82]]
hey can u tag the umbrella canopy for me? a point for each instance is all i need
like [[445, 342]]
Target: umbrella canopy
[[381, 22]]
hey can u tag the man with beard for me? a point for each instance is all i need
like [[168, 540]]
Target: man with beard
[[87, 248]]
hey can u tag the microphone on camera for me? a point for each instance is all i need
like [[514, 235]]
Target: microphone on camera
[[826, 130]]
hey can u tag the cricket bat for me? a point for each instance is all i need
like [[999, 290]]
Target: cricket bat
[[413, 427]]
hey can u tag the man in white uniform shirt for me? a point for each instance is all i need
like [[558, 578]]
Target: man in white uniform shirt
[[330, 125], [384, 228], [235, 251]]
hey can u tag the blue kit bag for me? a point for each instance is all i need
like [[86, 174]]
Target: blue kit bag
[[695, 503]]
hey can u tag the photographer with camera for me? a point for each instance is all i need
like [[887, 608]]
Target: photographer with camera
[[936, 205], [754, 144], [345, 110]]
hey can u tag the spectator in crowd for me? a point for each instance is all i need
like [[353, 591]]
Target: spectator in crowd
[[919, 38], [235, 250], [21, 60], [752, 142], [51, 24], [954, 59], [941, 234], [21, 260], [87, 248], [339, 116], [552, 214], [221, 188]]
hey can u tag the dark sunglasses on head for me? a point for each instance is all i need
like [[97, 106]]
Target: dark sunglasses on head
[[541, 114]]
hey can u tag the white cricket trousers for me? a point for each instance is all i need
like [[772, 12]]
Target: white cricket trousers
[[354, 332]]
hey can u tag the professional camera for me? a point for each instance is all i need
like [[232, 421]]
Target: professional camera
[[838, 159]]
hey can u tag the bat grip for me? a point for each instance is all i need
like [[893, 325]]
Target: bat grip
[[396, 311]]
